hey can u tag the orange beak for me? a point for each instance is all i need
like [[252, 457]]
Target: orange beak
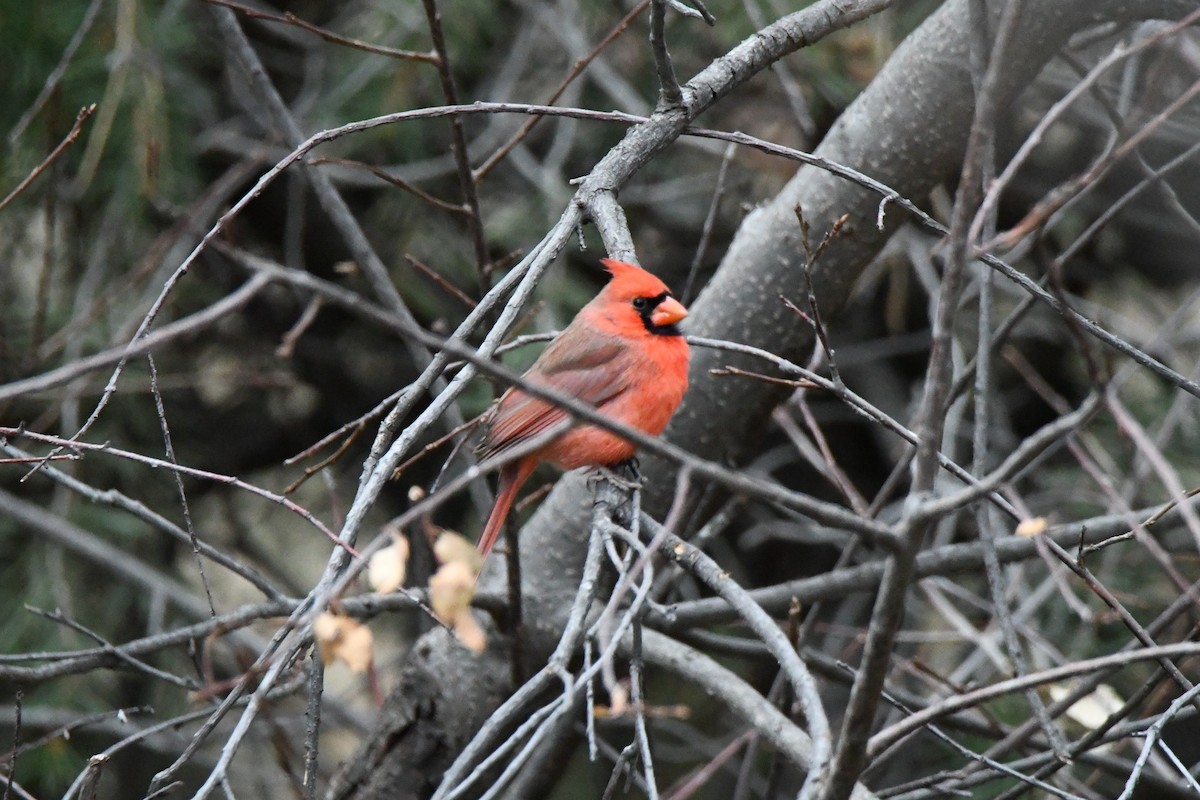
[[668, 312]]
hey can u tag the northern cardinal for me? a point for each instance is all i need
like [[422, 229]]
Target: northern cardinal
[[624, 355]]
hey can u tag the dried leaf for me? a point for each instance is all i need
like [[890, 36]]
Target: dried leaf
[[357, 646], [387, 568], [1034, 526], [341, 638], [618, 700], [677, 711], [469, 631], [1093, 709], [326, 630], [450, 590], [451, 547]]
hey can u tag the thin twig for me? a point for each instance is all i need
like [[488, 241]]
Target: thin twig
[[215, 477], [169, 450], [312, 722], [440, 280], [707, 570], [706, 229], [669, 93], [394, 180], [67, 141], [636, 696], [576, 70], [54, 79], [11, 756], [458, 146], [916, 721], [288, 18]]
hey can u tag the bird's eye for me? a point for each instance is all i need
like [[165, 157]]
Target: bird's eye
[[640, 303]]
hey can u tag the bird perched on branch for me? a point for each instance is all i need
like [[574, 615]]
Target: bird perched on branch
[[622, 354]]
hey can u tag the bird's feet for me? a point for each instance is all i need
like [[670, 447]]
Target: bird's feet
[[624, 474]]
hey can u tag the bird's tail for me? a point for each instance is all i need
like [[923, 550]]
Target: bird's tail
[[512, 477]]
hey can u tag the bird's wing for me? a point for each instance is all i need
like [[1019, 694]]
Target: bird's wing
[[587, 369]]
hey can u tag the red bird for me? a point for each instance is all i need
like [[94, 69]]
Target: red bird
[[622, 354]]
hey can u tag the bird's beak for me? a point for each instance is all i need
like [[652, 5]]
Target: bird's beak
[[668, 312]]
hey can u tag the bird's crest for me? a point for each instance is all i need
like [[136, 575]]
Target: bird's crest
[[630, 281]]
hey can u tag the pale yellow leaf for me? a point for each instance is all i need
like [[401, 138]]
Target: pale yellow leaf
[[341, 638], [1034, 526], [326, 630], [387, 568], [356, 647], [1092, 709], [450, 590], [469, 631], [618, 700], [452, 547]]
